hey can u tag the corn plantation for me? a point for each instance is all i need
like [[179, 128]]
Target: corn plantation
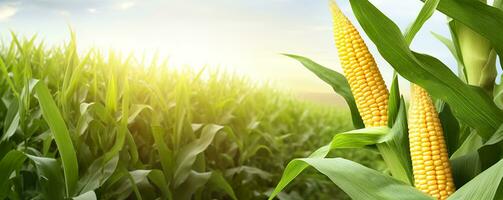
[[104, 126]]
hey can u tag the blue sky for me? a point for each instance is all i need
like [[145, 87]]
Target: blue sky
[[243, 36]]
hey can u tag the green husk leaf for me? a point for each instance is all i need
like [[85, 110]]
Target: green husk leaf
[[393, 101], [489, 21], [394, 148]]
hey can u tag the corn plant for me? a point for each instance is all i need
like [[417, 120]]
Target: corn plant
[[92, 125], [448, 144]]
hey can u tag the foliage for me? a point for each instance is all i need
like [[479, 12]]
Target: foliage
[[468, 104], [111, 127]]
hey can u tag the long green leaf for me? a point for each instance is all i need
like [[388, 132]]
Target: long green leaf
[[453, 47], [338, 83], [50, 176], [10, 162], [426, 12], [484, 186], [362, 183], [395, 148], [96, 174], [187, 156], [351, 139], [469, 104], [61, 135], [165, 154], [482, 18]]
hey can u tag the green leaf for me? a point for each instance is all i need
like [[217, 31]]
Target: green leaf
[[351, 139], [51, 178], [123, 182], [471, 143], [11, 121], [96, 174], [470, 105], [86, 196], [11, 162], [187, 156], [136, 110], [61, 135], [195, 180], [394, 148], [122, 129], [426, 12], [481, 155], [137, 177], [462, 173], [479, 58], [480, 17], [157, 178], [498, 94], [111, 98], [165, 154], [249, 170], [453, 47], [360, 182], [218, 181], [450, 126], [498, 4], [490, 27], [394, 101], [338, 83], [483, 186]]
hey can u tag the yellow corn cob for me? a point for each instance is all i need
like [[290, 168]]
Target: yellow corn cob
[[360, 69], [432, 171]]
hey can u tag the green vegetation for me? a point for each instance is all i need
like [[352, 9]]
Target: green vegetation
[[448, 145], [112, 127]]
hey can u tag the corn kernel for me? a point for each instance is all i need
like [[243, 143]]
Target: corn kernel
[[361, 71], [433, 176]]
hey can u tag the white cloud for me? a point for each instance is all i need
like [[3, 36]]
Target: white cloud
[[92, 10], [7, 11], [125, 5]]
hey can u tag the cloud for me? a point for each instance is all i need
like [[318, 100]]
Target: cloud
[[78, 7], [125, 5], [92, 10], [7, 11]]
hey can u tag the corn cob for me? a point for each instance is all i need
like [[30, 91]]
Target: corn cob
[[432, 171], [360, 69]]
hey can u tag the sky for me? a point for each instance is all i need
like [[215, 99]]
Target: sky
[[242, 36]]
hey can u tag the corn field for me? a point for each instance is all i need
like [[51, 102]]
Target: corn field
[[104, 126]]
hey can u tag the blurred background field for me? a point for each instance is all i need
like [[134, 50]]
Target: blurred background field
[[146, 130]]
